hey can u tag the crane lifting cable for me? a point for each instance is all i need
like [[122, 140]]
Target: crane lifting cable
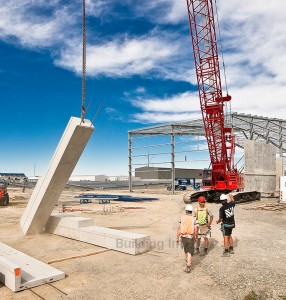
[[83, 89], [83, 108]]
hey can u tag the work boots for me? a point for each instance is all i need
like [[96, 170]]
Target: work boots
[[225, 253], [188, 269]]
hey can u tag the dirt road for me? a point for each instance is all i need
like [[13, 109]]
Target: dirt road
[[257, 269]]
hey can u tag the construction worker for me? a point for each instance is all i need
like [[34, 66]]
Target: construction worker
[[226, 218], [187, 230], [204, 219]]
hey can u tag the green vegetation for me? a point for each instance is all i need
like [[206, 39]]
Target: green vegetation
[[253, 296]]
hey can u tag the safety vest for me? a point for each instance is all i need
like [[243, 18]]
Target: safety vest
[[187, 225], [202, 215]]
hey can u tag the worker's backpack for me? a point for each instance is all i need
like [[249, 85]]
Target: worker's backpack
[[202, 215]]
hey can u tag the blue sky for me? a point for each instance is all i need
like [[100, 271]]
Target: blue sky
[[139, 62]]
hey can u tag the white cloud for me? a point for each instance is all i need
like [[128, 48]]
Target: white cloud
[[159, 11], [162, 11], [264, 100], [140, 90], [178, 12], [121, 57], [155, 11], [170, 109], [157, 117], [20, 22], [180, 103], [98, 8], [114, 114], [254, 39], [157, 53]]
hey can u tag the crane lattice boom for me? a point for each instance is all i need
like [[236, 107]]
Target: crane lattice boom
[[219, 138]]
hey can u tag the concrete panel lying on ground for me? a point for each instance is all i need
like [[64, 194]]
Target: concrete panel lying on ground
[[50, 186], [83, 230], [19, 271]]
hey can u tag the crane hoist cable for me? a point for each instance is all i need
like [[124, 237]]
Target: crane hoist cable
[[97, 112], [83, 89], [83, 96]]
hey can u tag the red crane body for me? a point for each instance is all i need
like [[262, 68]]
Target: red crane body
[[223, 176]]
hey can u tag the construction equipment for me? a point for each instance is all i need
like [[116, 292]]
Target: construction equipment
[[178, 186], [189, 181], [4, 196], [182, 183], [223, 177]]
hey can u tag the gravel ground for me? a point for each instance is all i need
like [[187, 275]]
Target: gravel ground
[[258, 266]]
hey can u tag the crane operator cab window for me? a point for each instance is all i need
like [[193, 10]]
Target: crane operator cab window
[[207, 177]]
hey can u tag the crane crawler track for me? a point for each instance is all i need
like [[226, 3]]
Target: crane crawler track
[[213, 196]]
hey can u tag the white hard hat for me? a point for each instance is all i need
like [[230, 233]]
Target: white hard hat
[[223, 197], [189, 207]]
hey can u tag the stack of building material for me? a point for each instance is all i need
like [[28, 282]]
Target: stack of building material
[[269, 206]]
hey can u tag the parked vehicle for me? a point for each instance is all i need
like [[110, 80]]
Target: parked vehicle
[[178, 187]]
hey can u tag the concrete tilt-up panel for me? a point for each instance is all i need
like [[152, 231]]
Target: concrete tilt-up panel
[[84, 230], [19, 271], [50, 186], [259, 166]]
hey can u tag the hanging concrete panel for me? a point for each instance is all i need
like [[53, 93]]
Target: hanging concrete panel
[[51, 185]]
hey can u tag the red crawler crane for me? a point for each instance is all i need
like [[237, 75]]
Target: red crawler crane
[[223, 177]]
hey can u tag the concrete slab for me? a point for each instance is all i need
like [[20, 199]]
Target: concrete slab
[[19, 271], [70, 221], [51, 185], [127, 242], [10, 274]]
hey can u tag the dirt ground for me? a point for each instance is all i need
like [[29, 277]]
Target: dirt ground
[[257, 270]]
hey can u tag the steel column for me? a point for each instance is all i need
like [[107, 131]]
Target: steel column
[[130, 160], [173, 161]]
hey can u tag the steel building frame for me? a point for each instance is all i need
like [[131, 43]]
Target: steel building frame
[[245, 126]]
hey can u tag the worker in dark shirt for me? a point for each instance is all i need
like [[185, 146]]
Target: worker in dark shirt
[[226, 218]]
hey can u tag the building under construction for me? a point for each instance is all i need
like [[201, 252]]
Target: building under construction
[[166, 173], [262, 142]]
